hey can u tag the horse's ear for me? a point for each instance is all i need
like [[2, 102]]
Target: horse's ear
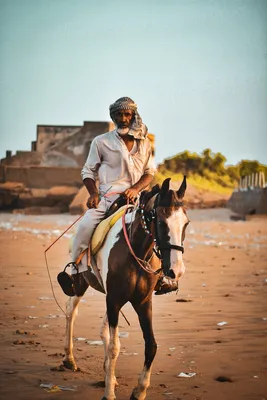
[[155, 189], [182, 189], [165, 187], [146, 195]]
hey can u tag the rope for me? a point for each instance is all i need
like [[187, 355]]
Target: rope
[[51, 284], [46, 262]]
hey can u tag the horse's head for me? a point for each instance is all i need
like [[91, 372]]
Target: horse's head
[[170, 223]]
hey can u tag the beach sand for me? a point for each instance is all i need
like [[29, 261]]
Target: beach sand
[[225, 282]]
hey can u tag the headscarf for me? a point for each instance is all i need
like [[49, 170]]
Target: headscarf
[[137, 129]]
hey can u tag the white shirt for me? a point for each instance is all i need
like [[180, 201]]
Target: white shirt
[[114, 165]]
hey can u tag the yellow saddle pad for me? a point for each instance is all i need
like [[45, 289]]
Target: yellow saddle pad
[[102, 229]]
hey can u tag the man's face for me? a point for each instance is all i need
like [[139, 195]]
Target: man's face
[[123, 118]]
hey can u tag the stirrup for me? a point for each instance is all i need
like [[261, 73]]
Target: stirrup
[[66, 281]]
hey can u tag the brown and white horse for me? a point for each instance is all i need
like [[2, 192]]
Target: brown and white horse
[[156, 229]]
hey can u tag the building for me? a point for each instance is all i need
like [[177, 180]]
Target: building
[[49, 176]]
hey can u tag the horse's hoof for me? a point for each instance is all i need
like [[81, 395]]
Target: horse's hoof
[[70, 365], [133, 397]]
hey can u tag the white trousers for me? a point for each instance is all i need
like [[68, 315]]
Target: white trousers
[[85, 231]]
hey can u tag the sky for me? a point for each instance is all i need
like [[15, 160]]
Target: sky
[[197, 70]]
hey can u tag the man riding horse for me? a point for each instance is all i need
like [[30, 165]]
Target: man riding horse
[[122, 162]]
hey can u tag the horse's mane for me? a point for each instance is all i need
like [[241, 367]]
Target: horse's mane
[[170, 198], [146, 195]]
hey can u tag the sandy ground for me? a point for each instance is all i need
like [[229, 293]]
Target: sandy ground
[[225, 281]]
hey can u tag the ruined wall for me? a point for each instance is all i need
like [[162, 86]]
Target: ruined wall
[[49, 135], [41, 177], [74, 149], [248, 201], [63, 146], [23, 158]]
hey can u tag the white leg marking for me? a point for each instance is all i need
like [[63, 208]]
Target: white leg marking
[[104, 334], [143, 384], [71, 311], [113, 352]]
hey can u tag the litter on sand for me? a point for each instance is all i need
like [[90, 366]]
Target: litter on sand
[[45, 298], [124, 353], [186, 374], [94, 342], [123, 334], [51, 388], [80, 339], [222, 323]]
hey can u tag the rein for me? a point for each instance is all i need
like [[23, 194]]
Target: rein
[[142, 263]]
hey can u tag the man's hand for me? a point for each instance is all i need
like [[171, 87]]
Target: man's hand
[[93, 200], [131, 194]]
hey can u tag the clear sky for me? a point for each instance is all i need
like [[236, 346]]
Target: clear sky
[[196, 68]]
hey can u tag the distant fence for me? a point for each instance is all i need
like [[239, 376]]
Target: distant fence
[[41, 177], [256, 180]]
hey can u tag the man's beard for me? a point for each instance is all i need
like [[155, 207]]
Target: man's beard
[[123, 131]]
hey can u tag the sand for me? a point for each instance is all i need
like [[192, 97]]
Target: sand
[[225, 281]]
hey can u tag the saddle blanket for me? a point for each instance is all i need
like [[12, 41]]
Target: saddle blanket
[[101, 232], [103, 228]]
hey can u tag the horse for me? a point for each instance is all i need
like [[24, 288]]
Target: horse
[[131, 269]]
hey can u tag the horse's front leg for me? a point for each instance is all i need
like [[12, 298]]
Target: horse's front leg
[[105, 336], [71, 312], [113, 349], [144, 312]]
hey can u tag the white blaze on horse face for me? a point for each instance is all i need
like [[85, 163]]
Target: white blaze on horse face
[[176, 223]]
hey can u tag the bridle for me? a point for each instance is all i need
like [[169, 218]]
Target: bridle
[[158, 249], [150, 217]]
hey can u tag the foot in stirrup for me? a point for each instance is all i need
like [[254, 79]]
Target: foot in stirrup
[[166, 285], [66, 281]]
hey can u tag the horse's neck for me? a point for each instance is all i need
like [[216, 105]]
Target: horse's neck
[[141, 242]]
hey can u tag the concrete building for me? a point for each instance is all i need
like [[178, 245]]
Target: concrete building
[[52, 167]]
